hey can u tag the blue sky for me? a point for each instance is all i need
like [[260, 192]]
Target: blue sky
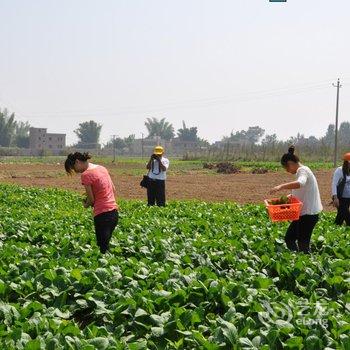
[[219, 65]]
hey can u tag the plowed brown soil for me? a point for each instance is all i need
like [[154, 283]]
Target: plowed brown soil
[[241, 188]]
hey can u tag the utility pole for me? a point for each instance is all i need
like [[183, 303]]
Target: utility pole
[[338, 86], [114, 148], [142, 145]]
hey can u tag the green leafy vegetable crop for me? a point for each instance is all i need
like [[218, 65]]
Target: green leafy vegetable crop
[[189, 276], [282, 200]]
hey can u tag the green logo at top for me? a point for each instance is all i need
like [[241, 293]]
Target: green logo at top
[[278, 0]]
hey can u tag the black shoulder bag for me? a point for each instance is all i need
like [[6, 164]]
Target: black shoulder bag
[[144, 182]]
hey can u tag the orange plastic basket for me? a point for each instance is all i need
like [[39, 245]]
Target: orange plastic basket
[[284, 212]]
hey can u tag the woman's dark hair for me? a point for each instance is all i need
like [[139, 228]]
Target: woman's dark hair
[[346, 167], [289, 157], [72, 157]]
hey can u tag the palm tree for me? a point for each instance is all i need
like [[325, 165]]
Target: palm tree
[[160, 128]]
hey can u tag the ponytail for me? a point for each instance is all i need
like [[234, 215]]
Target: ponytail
[[346, 167], [289, 157], [72, 158]]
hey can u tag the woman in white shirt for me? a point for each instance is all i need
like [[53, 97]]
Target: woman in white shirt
[[305, 188], [157, 168], [341, 191]]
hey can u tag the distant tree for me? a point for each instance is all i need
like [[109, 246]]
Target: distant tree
[[120, 143], [330, 135], [160, 128], [203, 142], [308, 144], [7, 127], [88, 134], [270, 140], [344, 134], [238, 136], [129, 140], [250, 136], [254, 134], [21, 139], [312, 141], [187, 134]]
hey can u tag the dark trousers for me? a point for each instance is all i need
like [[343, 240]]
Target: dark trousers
[[343, 212], [105, 224], [300, 232], [156, 192]]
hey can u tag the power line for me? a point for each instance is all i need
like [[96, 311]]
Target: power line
[[208, 103], [285, 89]]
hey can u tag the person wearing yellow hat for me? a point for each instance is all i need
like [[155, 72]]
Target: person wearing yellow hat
[[341, 191], [157, 168]]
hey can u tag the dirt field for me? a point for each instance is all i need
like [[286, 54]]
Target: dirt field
[[241, 188]]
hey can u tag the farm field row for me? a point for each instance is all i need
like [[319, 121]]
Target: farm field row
[[194, 182], [193, 275]]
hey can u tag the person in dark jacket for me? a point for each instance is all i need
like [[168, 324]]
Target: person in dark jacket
[[341, 191]]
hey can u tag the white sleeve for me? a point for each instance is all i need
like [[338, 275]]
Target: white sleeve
[[302, 177], [338, 174], [165, 162]]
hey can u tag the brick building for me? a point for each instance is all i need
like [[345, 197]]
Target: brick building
[[40, 140]]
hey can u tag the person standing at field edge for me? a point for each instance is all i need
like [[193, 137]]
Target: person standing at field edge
[[100, 195], [157, 168], [305, 188], [341, 191]]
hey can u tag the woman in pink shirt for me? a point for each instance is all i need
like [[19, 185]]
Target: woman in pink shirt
[[100, 194]]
